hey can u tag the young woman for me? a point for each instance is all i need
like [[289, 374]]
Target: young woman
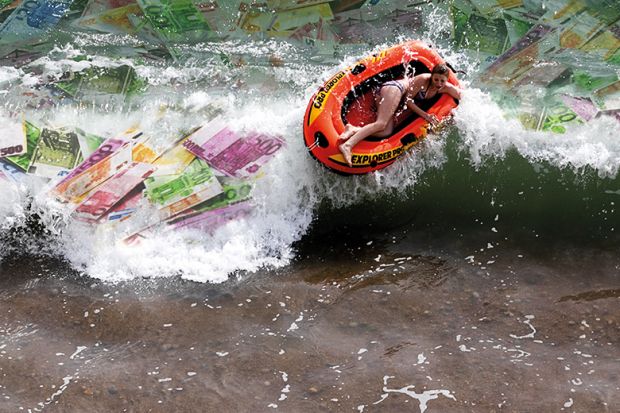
[[395, 96]]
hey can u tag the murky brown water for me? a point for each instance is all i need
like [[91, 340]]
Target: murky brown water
[[381, 329]]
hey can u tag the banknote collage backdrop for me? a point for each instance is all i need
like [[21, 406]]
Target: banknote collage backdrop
[[551, 64]]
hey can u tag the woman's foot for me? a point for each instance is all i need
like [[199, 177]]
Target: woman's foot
[[345, 150], [349, 131]]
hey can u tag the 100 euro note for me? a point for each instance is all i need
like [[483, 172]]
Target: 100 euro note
[[57, 152], [233, 191], [203, 192], [166, 190], [175, 20]]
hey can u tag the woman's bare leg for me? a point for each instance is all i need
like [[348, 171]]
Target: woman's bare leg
[[349, 130], [390, 98]]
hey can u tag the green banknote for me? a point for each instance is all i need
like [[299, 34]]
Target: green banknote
[[89, 143], [57, 152], [32, 138], [473, 30], [175, 20], [100, 81], [233, 192], [165, 190]]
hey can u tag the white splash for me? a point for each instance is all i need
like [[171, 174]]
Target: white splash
[[528, 321], [423, 398]]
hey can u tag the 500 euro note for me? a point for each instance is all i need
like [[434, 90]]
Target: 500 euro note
[[12, 138], [231, 154]]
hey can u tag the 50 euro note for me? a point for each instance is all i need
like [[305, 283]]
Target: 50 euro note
[[95, 7], [111, 21], [101, 199], [254, 20], [107, 148]]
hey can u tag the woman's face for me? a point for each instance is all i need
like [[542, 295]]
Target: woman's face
[[438, 80]]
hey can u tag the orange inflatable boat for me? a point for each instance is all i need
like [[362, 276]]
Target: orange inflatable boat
[[348, 97]]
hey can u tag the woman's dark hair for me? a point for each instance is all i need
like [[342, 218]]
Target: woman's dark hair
[[440, 69]]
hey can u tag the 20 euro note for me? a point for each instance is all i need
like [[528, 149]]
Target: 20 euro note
[[31, 20]]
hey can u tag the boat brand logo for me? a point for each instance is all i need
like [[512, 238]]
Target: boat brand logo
[[373, 159], [321, 97]]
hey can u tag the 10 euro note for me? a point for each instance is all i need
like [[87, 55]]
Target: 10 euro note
[[232, 155], [76, 188], [100, 200], [107, 148]]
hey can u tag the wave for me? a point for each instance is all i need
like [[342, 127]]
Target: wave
[[483, 166]]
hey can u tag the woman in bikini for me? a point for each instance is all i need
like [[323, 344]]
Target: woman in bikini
[[394, 96]]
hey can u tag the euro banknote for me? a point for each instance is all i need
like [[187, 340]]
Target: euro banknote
[[57, 152], [19, 57], [168, 189], [101, 199], [12, 172], [232, 154], [110, 21], [12, 138], [212, 219], [107, 148], [111, 160], [31, 20], [175, 20], [33, 134]]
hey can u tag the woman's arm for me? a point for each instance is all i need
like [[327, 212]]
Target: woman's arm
[[451, 90], [417, 84], [416, 109]]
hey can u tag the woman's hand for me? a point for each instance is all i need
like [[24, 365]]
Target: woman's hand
[[432, 119], [450, 90]]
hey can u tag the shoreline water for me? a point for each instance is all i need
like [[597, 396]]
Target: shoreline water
[[366, 326]]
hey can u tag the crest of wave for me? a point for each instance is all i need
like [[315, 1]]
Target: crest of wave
[[486, 134], [283, 207]]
